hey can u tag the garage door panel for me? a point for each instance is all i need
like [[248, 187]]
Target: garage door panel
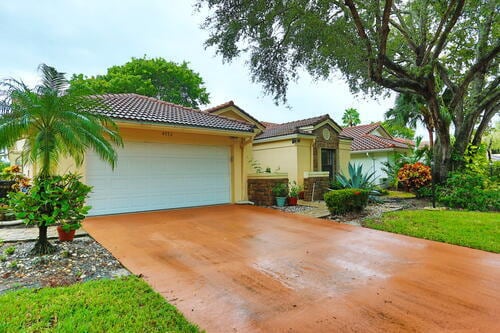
[[152, 176]]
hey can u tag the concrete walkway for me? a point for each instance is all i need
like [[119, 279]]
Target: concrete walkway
[[319, 209], [30, 234]]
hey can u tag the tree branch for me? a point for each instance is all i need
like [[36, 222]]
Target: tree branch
[[480, 65], [361, 33], [451, 23], [383, 34], [444, 76], [405, 34]]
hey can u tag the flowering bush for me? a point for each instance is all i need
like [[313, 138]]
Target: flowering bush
[[414, 176], [14, 173]]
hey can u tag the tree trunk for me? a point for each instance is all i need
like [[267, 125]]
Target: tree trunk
[[42, 245], [441, 157], [431, 138], [441, 154]]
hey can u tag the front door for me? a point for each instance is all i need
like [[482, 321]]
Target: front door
[[328, 161]]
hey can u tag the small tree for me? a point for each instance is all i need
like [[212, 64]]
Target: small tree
[[51, 200], [55, 123]]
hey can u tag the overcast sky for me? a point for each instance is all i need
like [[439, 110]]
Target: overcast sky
[[88, 36]]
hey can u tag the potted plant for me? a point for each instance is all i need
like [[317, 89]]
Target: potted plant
[[293, 194], [280, 191], [66, 230]]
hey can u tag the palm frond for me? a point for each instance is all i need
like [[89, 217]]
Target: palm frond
[[54, 122]]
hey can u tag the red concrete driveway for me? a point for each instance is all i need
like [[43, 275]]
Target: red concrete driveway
[[251, 269]]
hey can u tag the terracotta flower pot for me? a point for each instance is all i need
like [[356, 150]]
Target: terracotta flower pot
[[65, 236], [292, 201]]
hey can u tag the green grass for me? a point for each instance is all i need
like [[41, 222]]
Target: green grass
[[122, 305], [477, 230], [400, 194]]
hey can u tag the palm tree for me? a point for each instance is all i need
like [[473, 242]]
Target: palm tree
[[410, 110], [351, 117], [54, 123]]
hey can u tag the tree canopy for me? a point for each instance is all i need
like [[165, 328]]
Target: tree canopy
[[157, 77], [351, 117], [445, 52]]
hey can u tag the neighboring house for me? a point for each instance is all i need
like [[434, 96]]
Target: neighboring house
[[372, 146], [173, 156], [297, 147]]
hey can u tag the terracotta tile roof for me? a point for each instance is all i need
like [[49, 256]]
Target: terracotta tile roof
[[229, 104], [291, 127], [364, 140], [406, 141], [268, 124], [357, 131], [148, 109]]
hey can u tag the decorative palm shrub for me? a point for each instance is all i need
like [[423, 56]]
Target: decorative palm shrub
[[346, 200], [55, 123], [414, 176]]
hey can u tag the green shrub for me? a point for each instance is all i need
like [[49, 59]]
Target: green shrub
[[346, 200], [424, 192], [469, 191]]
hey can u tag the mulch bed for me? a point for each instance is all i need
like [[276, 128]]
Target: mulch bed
[[80, 260], [375, 210]]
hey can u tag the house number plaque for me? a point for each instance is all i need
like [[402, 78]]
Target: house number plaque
[[167, 133]]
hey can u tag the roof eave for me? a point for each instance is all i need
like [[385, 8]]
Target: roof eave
[[376, 150], [285, 137], [192, 128]]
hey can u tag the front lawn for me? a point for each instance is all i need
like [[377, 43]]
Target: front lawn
[[122, 305], [477, 230]]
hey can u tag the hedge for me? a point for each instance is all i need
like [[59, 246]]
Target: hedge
[[346, 200]]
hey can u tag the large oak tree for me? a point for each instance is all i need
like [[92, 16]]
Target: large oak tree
[[157, 77], [446, 52]]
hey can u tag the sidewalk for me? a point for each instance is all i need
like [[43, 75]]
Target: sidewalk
[[30, 234], [319, 209]]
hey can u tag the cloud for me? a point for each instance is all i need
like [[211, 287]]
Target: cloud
[[90, 36]]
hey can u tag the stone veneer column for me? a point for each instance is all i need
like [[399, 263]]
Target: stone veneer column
[[319, 181], [260, 187]]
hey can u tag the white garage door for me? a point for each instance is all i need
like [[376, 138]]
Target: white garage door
[[152, 176]]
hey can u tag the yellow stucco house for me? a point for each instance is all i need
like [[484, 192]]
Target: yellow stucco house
[[173, 157], [299, 148]]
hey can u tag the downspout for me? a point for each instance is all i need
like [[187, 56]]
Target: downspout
[[243, 143]]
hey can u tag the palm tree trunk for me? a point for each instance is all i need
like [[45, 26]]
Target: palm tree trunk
[[42, 245]]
